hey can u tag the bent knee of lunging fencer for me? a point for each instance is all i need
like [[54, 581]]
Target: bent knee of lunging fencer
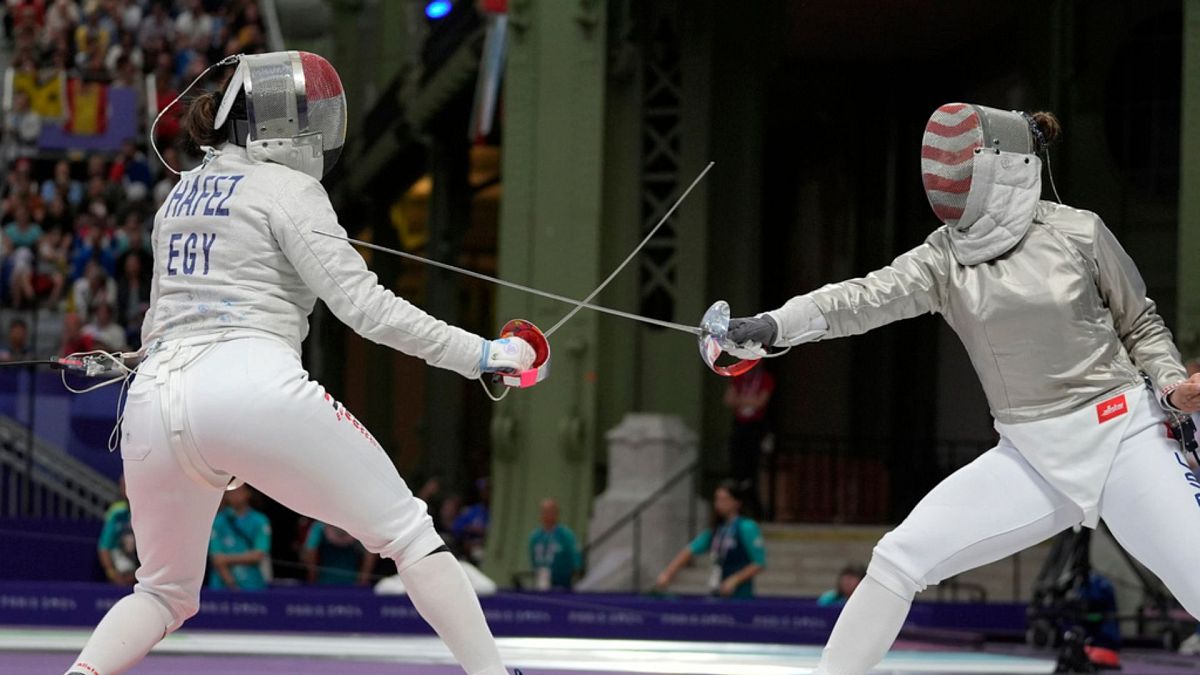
[[894, 571], [410, 549], [172, 617], [174, 604]]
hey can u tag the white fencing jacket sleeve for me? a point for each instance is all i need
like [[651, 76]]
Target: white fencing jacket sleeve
[[336, 272]]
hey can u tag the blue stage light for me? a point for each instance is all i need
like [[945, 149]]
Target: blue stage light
[[438, 8]]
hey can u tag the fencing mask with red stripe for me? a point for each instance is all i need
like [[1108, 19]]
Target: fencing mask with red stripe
[[982, 175], [295, 110]]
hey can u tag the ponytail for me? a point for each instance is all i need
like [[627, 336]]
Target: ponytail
[[198, 121]]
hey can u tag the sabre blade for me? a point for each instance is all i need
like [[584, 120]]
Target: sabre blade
[[691, 330], [654, 230]]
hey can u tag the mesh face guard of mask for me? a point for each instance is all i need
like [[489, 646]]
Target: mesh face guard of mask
[[295, 110], [953, 136]]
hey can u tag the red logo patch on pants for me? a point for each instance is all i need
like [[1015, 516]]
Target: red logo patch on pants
[[1113, 407]]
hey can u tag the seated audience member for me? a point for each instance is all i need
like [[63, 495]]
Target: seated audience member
[[734, 543], [17, 348], [334, 558], [240, 547], [93, 289], [103, 331], [553, 551], [471, 526], [74, 340], [118, 555], [848, 580]]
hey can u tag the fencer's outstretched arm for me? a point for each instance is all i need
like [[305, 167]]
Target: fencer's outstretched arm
[[912, 285], [1135, 316], [339, 276]]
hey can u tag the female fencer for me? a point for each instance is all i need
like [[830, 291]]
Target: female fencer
[[221, 392], [1055, 319]]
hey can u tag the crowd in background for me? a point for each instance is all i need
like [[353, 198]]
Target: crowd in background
[[75, 226]]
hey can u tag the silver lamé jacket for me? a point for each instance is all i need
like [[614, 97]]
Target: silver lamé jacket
[[1058, 322]]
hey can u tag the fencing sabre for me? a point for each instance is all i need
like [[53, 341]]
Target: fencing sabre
[[711, 333]]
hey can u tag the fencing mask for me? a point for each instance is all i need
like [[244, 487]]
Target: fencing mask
[[982, 176], [295, 110]]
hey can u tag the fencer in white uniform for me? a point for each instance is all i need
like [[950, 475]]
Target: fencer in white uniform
[[1055, 319], [221, 392]]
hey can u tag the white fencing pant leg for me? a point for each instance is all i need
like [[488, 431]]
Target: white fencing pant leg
[[1151, 504], [987, 510], [172, 520], [255, 414]]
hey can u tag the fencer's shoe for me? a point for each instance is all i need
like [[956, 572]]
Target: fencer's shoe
[[1191, 646]]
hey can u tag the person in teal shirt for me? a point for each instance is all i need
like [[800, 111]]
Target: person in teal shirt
[[334, 558], [116, 550], [734, 542], [848, 580], [553, 551], [240, 546]]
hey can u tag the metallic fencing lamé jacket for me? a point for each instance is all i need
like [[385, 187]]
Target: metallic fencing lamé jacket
[[1055, 323]]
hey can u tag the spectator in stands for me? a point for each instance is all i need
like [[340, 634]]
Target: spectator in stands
[[61, 185], [195, 23], [848, 580], [131, 239], [443, 521], [334, 558], [157, 26], [22, 127], [17, 348], [125, 48], [105, 333], [92, 244], [162, 189], [53, 251], [73, 339], [131, 170], [748, 396], [734, 543], [553, 551], [240, 547], [61, 19], [245, 30], [118, 555], [470, 527], [94, 68], [21, 189], [166, 90], [91, 37], [133, 295], [93, 289], [28, 14], [20, 239], [129, 15]]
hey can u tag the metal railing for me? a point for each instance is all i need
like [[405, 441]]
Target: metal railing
[[633, 518], [49, 483], [839, 479]]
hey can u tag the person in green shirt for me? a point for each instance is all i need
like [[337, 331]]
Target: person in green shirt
[[553, 551], [734, 543], [118, 555], [240, 546]]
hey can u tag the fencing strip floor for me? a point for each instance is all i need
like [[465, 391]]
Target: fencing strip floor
[[48, 651]]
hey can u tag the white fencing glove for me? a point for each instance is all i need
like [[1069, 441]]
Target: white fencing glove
[[509, 355]]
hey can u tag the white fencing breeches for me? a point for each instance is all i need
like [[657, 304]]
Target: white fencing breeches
[[197, 415], [999, 504]]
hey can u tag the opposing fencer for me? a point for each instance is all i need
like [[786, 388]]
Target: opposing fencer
[[221, 391], [1055, 319]]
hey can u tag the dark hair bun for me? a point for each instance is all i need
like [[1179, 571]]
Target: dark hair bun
[[1050, 127]]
